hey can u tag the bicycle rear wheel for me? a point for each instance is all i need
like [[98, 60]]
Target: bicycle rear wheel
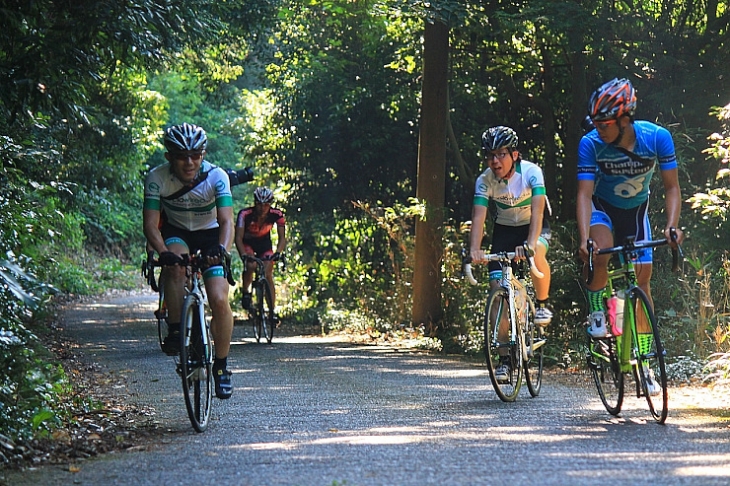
[[196, 365], [603, 363], [497, 309], [534, 341], [650, 367]]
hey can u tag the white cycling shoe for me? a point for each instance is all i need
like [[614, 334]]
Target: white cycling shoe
[[597, 327]]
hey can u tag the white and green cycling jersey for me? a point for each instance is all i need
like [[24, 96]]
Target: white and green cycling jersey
[[513, 196], [195, 210]]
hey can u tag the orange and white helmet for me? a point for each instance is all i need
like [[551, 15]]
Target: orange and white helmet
[[612, 100]]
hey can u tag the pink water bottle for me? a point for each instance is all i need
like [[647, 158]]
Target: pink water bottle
[[615, 306]]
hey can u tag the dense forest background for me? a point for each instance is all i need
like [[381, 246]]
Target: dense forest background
[[323, 99]]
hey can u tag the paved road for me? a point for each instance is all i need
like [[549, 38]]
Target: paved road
[[324, 412]]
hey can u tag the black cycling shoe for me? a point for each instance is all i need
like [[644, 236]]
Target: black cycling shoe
[[246, 301], [171, 344], [223, 385]]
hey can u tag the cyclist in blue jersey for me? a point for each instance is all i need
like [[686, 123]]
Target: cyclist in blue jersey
[[198, 215], [616, 161], [517, 189]]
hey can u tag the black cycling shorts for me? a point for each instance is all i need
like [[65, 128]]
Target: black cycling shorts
[[202, 240]]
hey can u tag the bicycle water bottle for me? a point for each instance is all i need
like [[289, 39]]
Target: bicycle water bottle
[[521, 302], [615, 305]]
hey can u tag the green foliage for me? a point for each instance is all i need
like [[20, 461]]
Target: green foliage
[[714, 204], [29, 382]]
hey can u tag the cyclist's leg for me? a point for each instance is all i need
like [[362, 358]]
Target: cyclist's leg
[[601, 232], [643, 268], [248, 271], [542, 285], [269, 269], [216, 288], [221, 327], [174, 280]]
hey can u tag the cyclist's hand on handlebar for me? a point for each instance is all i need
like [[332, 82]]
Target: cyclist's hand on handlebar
[[583, 251], [477, 256], [168, 258], [276, 256], [216, 254], [674, 236]]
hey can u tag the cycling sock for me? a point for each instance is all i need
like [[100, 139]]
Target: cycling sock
[[173, 328], [646, 341], [595, 300], [220, 364], [542, 303]]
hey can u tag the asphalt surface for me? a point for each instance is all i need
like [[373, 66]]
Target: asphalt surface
[[322, 411]]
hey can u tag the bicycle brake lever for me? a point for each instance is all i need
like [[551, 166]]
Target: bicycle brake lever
[[590, 261], [228, 271], [531, 259], [676, 252]]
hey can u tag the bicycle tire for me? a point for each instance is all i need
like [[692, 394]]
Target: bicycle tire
[[267, 313], [534, 338], [196, 364], [652, 361], [497, 304], [603, 363], [257, 320], [161, 316]]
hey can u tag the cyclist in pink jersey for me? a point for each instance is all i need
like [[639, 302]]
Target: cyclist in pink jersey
[[253, 237]]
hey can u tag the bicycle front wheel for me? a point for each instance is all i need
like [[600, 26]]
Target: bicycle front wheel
[[499, 353], [257, 320], [603, 363], [650, 367], [196, 364], [267, 313], [534, 342]]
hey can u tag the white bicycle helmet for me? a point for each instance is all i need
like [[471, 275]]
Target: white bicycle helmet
[[185, 138], [263, 195]]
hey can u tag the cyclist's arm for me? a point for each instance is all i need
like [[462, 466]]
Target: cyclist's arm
[[281, 240], [537, 208], [150, 225], [672, 201], [584, 208], [478, 217], [225, 222]]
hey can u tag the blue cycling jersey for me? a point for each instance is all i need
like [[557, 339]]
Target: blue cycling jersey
[[619, 180]]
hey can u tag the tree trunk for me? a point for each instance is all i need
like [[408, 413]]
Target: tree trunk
[[431, 175], [573, 132]]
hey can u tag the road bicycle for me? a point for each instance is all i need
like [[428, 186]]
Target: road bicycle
[[261, 310], [624, 350], [513, 300], [194, 363]]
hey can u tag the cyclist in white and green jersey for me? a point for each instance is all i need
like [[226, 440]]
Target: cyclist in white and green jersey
[[517, 189], [188, 207]]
